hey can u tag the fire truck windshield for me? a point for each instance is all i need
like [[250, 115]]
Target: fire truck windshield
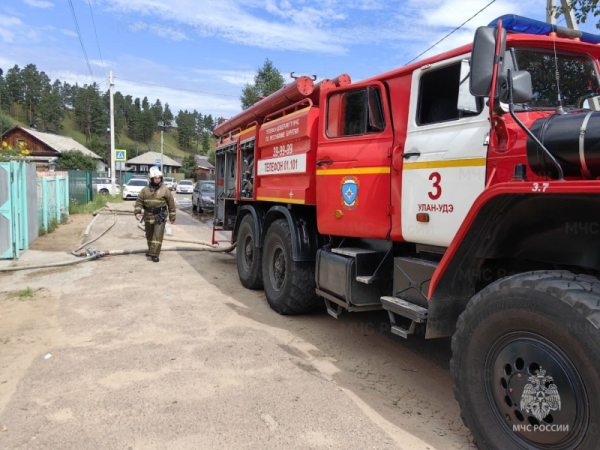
[[578, 78]]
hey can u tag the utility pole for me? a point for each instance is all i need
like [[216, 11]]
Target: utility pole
[[113, 187], [162, 142], [567, 11]]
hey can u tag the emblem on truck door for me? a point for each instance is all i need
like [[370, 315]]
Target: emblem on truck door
[[349, 186], [540, 395]]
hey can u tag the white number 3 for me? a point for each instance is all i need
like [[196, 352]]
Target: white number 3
[[537, 188]]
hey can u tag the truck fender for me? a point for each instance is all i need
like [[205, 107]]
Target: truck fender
[[504, 225], [305, 238], [258, 216]]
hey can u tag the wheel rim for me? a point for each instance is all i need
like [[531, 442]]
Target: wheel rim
[[277, 267], [248, 249], [537, 391]]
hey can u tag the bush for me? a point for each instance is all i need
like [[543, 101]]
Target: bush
[[74, 159]]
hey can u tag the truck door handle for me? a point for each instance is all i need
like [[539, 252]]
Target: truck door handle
[[409, 154], [323, 162]]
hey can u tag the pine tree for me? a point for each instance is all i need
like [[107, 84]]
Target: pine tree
[[14, 84], [167, 115], [205, 143], [266, 81], [50, 110]]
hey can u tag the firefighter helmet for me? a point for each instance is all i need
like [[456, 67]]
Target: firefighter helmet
[[155, 172]]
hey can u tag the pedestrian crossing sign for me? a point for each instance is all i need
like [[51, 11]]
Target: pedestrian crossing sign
[[120, 155]]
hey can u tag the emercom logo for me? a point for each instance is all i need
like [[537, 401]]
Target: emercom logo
[[540, 396]]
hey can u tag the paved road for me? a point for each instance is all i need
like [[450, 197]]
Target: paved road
[[123, 353]]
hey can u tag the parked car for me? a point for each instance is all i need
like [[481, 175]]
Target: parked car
[[170, 183], [203, 196], [184, 187], [134, 187], [102, 186]]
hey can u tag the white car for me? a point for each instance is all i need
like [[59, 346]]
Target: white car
[[103, 186], [185, 187], [134, 187], [170, 183]]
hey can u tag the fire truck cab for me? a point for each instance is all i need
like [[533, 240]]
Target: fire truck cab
[[460, 195]]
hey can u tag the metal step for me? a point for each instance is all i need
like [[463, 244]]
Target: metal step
[[352, 252], [412, 315], [365, 280], [406, 309]]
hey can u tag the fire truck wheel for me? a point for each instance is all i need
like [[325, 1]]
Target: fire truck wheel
[[248, 255], [289, 285], [526, 362]]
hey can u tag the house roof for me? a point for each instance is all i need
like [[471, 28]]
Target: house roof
[[149, 158], [203, 162], [59, 143]]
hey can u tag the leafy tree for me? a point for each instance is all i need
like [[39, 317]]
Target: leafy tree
[[74, 159], [266, 81], [5, 124], [100, 147], [189, 166], [582, 9]]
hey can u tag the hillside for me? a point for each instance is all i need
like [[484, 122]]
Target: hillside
[[82, 112], [133, 147]]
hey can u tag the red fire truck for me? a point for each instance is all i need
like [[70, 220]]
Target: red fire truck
[[461, 195]]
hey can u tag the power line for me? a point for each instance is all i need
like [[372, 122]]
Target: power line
[[97, 40], [453, 31], [181, 89], [80, 39]]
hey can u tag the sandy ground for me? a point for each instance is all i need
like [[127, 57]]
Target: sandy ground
[[125, 353]]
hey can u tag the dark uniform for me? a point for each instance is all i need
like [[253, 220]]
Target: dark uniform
[[155, 201]]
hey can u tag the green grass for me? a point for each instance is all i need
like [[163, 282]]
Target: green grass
[[133, 147], [25, 293], [98, 202]]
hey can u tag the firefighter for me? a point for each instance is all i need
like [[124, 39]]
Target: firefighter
[[155, 199]]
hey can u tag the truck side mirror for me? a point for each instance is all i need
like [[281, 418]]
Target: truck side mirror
[[520, 82], [482, 60]]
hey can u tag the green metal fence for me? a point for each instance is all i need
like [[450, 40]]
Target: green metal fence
[[14, 235], [82, 185], [53, 198]]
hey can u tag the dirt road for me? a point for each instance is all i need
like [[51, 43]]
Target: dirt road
[[124, 353]]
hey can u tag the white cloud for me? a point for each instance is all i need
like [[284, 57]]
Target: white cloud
[[8, 27], [68, 32], [291, 29], [39, 3], [160, 30], [234, 77]]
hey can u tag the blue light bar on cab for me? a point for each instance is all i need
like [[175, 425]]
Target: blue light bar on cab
[[520, 24]]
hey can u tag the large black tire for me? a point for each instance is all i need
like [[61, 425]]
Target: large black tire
[[289, 285], [249, 257], [513, 336], [194, 207]]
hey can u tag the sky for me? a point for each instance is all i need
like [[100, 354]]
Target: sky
[[198, 54]]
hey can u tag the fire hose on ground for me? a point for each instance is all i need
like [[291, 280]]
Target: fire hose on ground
[[91, 254]]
